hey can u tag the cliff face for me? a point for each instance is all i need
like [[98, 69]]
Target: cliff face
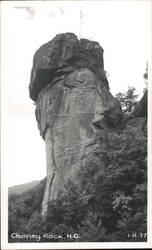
[[73, 102], [138, 118]]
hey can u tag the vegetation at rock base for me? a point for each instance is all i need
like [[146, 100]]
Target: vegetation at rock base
[[108, 203], [127, 100]]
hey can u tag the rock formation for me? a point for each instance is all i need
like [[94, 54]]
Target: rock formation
[[71, 91], [141, 109], [138, 118]]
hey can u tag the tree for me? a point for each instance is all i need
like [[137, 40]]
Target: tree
[[109, 202], [145, 76], [127, 100]]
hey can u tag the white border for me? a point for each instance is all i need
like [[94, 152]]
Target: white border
[[4, 122]]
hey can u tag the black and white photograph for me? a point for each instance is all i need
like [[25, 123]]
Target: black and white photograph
[[76, 124]]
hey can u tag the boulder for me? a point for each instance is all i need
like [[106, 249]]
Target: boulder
[[61, 56]]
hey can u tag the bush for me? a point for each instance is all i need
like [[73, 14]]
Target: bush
[[127, 100]]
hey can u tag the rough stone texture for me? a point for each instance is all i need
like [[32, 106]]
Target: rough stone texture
[[71, 106], [141, 109], [138, 118], [61, 56]]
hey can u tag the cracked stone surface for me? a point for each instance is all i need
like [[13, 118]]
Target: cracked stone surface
[[72, 103]]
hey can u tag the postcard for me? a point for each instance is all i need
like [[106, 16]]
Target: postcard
[[76, 116]]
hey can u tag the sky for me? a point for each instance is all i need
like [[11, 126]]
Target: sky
[[121, 27]]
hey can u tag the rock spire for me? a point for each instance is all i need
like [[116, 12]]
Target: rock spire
[[71, 91]]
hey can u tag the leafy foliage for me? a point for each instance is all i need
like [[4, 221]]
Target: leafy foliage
[[107, 203], [127, 100], [145, 76]]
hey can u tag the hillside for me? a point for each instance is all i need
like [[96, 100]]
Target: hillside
[[19, 189]]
